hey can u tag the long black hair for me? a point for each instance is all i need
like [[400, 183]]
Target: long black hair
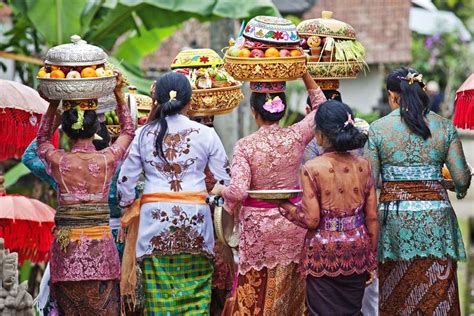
[[333, 119], [414, 101], [168, 105], [258, 100], [89, 127]]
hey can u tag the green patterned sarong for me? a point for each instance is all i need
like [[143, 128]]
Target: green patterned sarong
[[177, 285]]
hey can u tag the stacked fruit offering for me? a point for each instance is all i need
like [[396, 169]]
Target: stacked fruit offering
[[76, 71], [214, 90], [334, 52], [268, 51]]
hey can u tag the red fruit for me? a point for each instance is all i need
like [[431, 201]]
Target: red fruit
[[285, 53], [257, 53], [65, 69], [47, 68], [142, 121], [78, 68]]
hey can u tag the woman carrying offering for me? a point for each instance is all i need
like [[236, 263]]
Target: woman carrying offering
[[175, 233], [85, 267], [339, 211], [419, 240], [270, 247]]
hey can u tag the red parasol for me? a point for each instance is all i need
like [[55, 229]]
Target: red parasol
[[21, 108], [26, 226], [464, 105]]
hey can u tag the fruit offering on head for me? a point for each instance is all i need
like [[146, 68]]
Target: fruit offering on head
[[272, 52], [244, 52], [257, 53], [88, 72], [314, 41]]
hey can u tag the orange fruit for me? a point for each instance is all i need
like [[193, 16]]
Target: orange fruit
[[54, 68], [295, 53], [93, 66], [88, 72], [57, 74], [244, 52], [272, 52]]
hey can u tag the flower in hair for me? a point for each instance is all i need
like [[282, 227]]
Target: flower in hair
[[412, 77], [274, 106], [349, 120], [172, 95]]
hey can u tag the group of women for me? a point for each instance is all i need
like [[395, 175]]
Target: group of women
[[311, 255]]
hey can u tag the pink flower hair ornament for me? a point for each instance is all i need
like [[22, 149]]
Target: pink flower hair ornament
[[274, 105]]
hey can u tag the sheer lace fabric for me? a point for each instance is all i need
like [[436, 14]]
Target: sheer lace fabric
[[268, 159]]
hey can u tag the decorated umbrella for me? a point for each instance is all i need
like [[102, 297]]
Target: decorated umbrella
[[26, 226], [21, 108], [464, 105]]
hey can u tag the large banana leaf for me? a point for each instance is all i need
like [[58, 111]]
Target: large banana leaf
[[14, 174], [142, 43], [133, 75]]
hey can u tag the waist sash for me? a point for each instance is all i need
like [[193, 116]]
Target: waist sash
[[180, 197], [255, 203], [82, 215], [341, 224], [413, 191]]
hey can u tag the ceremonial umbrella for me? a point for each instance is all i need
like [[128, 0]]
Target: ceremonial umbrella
[[21, 108], [464, 105], [26, 226]]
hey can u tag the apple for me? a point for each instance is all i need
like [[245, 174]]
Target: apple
[[233, 51], [285, 53], [257, 53], [142, 120]]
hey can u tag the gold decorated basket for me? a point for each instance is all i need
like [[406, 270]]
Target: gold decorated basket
[[268, 69], [214, 101], [335, 70], [274, 194]]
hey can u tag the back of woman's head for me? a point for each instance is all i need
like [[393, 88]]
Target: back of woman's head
[[336, 121], [79, 124], [413, 100], [172, 93], [270, 106]]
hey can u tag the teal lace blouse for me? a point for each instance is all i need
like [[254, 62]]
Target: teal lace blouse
[[410, 229]]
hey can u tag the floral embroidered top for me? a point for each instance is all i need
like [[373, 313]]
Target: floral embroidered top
[[173, 227], [339, 199], [268, 159], [83, 177], [414, 226]]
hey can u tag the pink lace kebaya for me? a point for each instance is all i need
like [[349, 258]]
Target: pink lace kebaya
[[269, 159]]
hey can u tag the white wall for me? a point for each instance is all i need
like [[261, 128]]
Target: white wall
[[364, 92]]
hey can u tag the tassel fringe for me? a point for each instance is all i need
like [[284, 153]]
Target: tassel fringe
[[464, 110]]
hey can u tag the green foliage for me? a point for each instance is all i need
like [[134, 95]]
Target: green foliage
[[442, 58], [462, 8], [368, 117], [14, 174]]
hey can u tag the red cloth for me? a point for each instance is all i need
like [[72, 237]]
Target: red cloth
[[18, 129]]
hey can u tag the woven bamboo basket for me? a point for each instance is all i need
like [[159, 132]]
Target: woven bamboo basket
[[335, 70], [268, 69], [214, 101]]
